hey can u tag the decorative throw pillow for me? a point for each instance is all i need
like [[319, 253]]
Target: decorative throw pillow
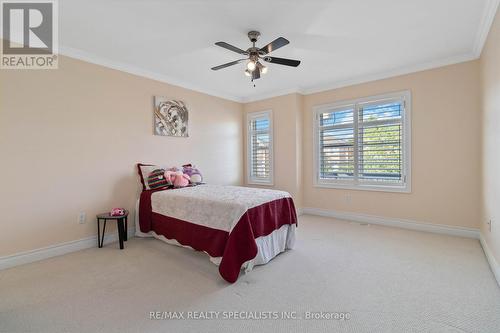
[[156, 179], [144, 170]]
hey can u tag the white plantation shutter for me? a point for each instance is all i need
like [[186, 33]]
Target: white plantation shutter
[[260, 158], [380, 142], [364, 144], [336, 131]]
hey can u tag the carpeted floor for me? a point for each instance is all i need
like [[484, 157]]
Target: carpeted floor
[[385, 279]]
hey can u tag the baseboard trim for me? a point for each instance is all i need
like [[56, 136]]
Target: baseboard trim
[[394, 222], [495, 268], [57, 250]]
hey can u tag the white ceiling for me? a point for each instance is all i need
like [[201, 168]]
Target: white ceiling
[[339, 42]]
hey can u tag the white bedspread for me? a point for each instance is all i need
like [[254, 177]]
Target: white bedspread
[[215, 206]]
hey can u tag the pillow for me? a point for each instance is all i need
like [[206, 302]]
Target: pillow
[[156, 179], [145, 169]]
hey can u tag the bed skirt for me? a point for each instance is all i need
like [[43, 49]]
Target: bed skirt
[[268, 246]]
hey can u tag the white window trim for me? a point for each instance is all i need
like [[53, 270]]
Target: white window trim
[[251, 116], [407, 135]]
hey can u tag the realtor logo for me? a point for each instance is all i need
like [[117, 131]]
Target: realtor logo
[[29, 34]]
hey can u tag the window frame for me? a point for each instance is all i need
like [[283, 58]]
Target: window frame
[[249, 118], [355, 184]]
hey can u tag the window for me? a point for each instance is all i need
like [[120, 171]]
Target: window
[[260, 148], [364, 144]]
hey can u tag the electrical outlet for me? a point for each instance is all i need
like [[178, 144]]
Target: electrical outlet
[[489, 225], [82, 217]]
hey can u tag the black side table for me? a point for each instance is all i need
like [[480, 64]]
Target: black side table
[[121, 224]]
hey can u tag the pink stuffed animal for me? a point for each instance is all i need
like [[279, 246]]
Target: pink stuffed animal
[[169, 176], [117, 212], [180, 180], [176, 177]]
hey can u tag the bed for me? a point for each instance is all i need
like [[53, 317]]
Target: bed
[[238, 227]]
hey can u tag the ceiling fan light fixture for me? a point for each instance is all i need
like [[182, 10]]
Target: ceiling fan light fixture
[[251, 65], [254, 55], [262, 68]]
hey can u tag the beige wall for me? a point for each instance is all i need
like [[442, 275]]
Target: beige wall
[[490, 86], [287, 131], [70, 139], [445, 148]]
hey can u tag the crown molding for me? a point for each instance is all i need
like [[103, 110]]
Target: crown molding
[[272, 94], [131, 69], [364, 79], [488, 16], [489, 12], [391, 73], [88, 57]]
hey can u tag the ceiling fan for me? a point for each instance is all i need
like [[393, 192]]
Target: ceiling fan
[[254, 66]]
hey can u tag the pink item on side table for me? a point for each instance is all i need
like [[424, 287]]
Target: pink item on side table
[[117, 212]]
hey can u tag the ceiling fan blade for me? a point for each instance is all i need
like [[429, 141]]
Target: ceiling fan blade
[[256, 74], [231, 48], [274, 45], [282, 61], [216, 68]]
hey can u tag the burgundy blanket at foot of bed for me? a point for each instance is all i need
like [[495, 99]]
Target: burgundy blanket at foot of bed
[[235, 247]]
